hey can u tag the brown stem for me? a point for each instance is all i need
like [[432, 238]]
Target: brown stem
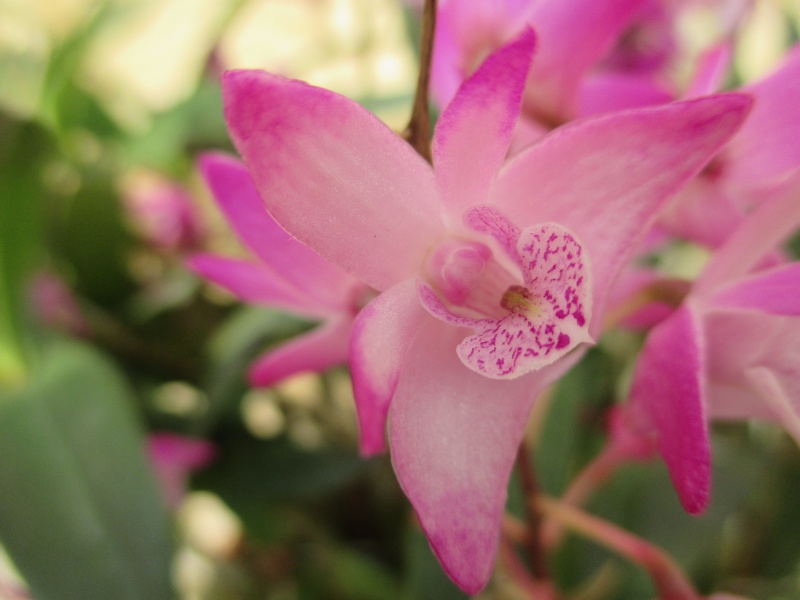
[[669, 580], [530, 489], [418, 131]]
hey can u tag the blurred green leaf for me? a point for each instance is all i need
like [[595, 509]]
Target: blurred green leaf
[[24, 147], [197, 123], [80, 512], [574, 427], [358, 576], [94, 240], [59, 90], [250, 470]]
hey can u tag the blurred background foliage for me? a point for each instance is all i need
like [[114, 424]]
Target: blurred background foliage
[[107, 340]]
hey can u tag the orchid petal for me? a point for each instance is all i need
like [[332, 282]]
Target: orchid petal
[[605, 178], [382, 333], [465, 33], [776, 291], [573, 35], [668, 389], [703, 202], [334, 176], [474, 132], [767, 147], [237, 197], [255, 283], [316, 351], [770, 389], [712, 67], [609, 92], [454, 435], [763, 229], [740, 340]]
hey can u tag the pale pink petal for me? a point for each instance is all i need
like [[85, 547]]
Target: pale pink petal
[[609, 92], [702, 212], [255, 283], [764, 229], [770, 388], [573, 35], [668, 390], [237, 197], [712, 67], [474, 132], [315, 352], [606, 178], [467, 32], [768, 146], [334, 176], [526, 133], [776, 291], [382, 334], [739, 343], [454, 435]]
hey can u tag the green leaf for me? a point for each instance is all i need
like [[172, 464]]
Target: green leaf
[[23, 149], [249, 470], [574, 426], [80, 512]]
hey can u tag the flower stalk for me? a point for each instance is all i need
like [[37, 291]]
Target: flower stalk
[[418, 130], [667, 576]]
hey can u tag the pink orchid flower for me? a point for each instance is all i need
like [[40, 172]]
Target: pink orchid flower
[[730, 351], [573, 36], [759, 158], [287, 275], [163, 213], [490, 273], [174, 457]]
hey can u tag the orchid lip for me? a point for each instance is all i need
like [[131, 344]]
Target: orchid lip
[[519, 328]]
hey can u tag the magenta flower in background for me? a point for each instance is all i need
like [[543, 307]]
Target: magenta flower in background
[[573, 38], [522, 254], [55, 305], [163, 213], [174, 458], [757, 161], [287, 275], [730, 351]]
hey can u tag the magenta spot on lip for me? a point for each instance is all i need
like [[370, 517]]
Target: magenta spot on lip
[[563, 341]]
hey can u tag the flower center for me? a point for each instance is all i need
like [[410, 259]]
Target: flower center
[[518, 328], [466, 274]]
